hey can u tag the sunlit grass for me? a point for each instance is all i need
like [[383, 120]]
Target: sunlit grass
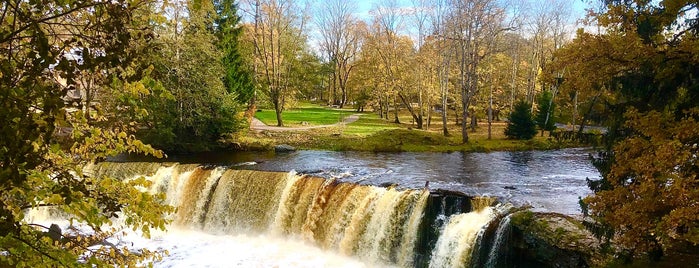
[[368, 124], [311, 115], [372, 133]]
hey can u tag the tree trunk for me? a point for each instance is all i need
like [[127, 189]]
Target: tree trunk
[[416, 117], [575, 109], [587, 115], [465, 115], [395, 110], [490, 111], [252, 107], [278, 112]]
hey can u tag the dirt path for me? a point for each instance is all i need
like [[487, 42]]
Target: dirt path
[[256, 124]]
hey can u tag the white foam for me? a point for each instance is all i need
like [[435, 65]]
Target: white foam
[[188, 248]]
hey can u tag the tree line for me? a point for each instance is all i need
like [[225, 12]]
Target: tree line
[[432, 59]]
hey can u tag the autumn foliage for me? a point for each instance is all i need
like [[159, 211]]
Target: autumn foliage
[[653, 183]]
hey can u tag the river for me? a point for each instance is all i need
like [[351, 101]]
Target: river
[[549, 181]]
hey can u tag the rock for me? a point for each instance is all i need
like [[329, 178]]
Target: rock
[[552, 240], [284, 148]]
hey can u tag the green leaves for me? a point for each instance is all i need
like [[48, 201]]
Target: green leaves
[[189, 107], [46, 142], [521, 125]]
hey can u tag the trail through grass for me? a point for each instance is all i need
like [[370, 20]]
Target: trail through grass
[[372, 133]]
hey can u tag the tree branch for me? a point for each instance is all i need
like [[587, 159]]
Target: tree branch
[[42, 20]]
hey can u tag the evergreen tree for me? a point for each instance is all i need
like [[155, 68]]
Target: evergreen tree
[[521, 125], [238, 76], [544, 115], [199, 111]]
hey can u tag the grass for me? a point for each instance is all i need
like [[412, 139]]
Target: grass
[[371, 133], [311, 114]]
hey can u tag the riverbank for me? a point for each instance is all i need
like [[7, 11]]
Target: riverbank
[[370, 133]]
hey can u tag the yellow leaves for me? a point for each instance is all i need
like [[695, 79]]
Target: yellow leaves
[[654, 179], [55, 199]]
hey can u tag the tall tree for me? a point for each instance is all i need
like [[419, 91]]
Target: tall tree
[[475, 26], [547, 25], [44, 146], [200, 111], [238, 79], [278, 38], [647, 196], [341, 40], [440, 16], [387, 22]]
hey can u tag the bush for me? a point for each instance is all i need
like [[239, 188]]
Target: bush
[[521, 125]]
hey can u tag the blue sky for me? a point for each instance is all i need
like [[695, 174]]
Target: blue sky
[[364, 6]]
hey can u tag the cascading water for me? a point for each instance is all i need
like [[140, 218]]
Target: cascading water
[[384, 226], [502, 234]]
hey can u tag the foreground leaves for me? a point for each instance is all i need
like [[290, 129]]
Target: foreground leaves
[[51, 51], [653, 196]]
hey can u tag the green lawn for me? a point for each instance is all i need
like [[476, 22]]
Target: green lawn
[[312, 114], [371, 133], [368, 124]]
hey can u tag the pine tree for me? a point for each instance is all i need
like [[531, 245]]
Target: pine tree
[[521, 125], [238, 78], [544, 115]]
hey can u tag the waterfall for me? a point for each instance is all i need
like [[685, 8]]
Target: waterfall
[[498, 250], [384, 226], [457, 241]]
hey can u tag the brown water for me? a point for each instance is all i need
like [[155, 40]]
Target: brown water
[[547, 180]]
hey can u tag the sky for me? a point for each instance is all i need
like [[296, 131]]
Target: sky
[[365, 6]]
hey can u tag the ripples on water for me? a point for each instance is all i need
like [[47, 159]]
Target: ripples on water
[[546, 180]]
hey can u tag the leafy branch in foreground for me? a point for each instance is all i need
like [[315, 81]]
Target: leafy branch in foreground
[[47, 48]]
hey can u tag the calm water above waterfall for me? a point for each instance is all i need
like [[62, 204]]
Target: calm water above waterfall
[[547, 180]]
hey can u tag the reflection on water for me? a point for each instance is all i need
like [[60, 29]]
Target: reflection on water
[[547, 180]]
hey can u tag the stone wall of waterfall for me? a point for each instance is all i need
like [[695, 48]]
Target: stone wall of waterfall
[[403, 227]]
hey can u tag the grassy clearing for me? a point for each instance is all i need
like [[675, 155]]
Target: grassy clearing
[[371, 133], [313, 115]]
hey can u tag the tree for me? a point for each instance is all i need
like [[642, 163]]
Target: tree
[[544, 113], [238, 79], [278, 39], [341, 41], [520, 123], [199, 111], [440, 14], [388, 44], [44, 147], [647, 196], [476, 25], [650, 194]]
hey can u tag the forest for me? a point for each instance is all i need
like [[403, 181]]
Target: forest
[[83, 80]]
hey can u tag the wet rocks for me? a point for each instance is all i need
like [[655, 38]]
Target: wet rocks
[[284, 148], [552, 240]]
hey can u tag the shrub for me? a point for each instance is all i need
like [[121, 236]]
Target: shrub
[[521, 125]]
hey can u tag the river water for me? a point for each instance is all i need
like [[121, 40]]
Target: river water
[[233, 212], [549, 181]]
